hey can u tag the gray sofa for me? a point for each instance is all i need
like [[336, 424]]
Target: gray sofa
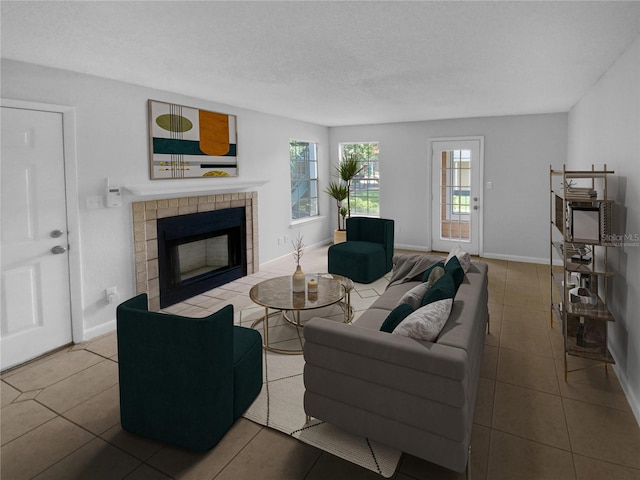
[[416, 396]]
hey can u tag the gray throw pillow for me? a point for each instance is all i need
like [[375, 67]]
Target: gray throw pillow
[[413, 297], [426, 322]]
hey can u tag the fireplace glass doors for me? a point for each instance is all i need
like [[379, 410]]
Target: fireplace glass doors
[[200, 251]]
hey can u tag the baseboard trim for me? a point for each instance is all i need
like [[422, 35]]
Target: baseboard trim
[[321, 243], [98, 330], [516, 258], [496, 256], [634, 402], [418, 248]]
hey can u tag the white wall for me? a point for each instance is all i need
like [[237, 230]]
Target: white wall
[[112, 141], [604, 127], [518, 152]]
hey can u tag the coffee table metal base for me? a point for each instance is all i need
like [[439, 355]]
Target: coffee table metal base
[[346, 308], [265, 320]]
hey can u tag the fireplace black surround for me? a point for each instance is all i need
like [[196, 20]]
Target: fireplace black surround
[[200, 251]]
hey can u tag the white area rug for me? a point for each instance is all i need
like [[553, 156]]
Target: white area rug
[[280, 403]]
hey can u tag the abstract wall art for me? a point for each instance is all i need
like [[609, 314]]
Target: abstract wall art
[[186, 142]]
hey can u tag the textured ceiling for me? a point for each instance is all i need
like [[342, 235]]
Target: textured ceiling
[[340, 62]]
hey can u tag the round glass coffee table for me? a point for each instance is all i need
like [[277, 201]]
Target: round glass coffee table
[[277, 294]]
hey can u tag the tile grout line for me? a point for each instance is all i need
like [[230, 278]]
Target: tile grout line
[[536, 441], [239, 451], [62, 415], [566, 424], [12, 371], [68, 454], [62, 379]]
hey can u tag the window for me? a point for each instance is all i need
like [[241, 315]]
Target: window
[[303, 157], [365, 187], [458, 182]]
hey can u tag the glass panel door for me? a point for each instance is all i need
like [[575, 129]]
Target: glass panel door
[[456, 199]]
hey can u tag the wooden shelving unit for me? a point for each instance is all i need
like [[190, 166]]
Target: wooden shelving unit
[[579, 204]]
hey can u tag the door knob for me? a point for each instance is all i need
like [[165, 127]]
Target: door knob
[[58, 249], [475, 199], [475, 207], [56, 233]]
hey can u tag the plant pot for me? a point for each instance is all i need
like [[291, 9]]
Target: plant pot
[[339, 236]]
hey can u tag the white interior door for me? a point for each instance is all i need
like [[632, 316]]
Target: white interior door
[[456, 200], [35, 293]]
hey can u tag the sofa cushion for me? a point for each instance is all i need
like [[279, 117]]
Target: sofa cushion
[[395, 317], [464, 323], [372, 318], [426, 322], [463, 257], [427, 272], [444, 288], [414, 296], [455, 269]]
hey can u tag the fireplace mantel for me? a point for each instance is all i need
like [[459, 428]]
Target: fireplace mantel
[[185, 186]]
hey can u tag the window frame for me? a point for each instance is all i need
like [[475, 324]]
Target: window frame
[[370, 179], [310, 175]]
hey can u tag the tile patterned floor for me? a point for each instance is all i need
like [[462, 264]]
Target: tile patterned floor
[[60, 414]]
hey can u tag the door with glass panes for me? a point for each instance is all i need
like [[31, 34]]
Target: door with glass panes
[[456, 199]]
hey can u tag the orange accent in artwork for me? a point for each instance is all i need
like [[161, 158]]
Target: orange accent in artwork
[[214, 133]]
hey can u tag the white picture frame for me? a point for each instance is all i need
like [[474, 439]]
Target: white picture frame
[[585, 224]]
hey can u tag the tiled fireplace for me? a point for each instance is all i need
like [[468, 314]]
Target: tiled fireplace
[[145, 232]]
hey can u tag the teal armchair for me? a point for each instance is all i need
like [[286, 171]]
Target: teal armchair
[[184, 381], [368, 252]]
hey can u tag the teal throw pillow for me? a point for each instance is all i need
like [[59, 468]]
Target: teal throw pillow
[[398, 314], [444, 288], [427, 272], [454, 267]]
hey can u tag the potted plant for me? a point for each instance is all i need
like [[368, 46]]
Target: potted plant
[[340, 190], [347, 169]]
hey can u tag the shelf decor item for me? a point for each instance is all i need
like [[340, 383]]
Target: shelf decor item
[[585, 223], [299, 280], [583, 297], [559, 218], [186, 142], [580, 222]]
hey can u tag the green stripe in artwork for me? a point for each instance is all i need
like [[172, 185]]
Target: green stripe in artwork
[[184, 147]]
